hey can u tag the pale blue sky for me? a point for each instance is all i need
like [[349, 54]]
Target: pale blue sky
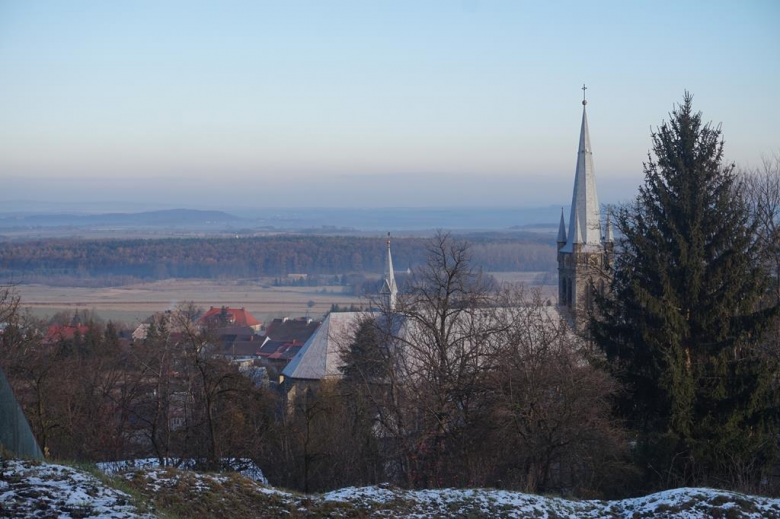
[[366, 103]]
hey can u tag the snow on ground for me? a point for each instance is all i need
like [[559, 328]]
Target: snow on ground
[[243, 466], [390, 502], [32, 489], [684, 503], [158, 480]]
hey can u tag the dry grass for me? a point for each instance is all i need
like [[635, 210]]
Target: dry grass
[[133, 303]]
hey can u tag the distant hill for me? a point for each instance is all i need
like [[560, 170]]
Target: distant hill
[[169, 217]]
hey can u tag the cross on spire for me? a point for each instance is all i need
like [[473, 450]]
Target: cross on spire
[[584, 223], [584, 88]]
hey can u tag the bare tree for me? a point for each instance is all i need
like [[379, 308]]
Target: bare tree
[[762, 193], [428, 382], [474, 384], [32, 368], [550, 407]]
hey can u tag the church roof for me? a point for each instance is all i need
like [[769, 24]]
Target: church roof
[[320, 356], [584, 222]]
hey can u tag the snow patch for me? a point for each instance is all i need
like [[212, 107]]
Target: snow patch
[[32, 489], [243, 466], [685, 503]]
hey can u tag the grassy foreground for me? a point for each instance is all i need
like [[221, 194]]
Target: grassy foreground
[[33, 489]]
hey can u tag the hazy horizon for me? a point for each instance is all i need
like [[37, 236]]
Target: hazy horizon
[[351, 104]]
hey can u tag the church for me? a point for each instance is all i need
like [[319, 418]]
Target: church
[[585, 255]]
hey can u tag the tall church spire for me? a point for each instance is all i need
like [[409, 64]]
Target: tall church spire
[[585, 257], [389, 288], [584, 222]]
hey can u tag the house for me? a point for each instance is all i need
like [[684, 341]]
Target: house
[[283, 354], [286, 329], [231, 334], [139, 334], [64, 332], [226, 316], [242, 350], [276, 354]]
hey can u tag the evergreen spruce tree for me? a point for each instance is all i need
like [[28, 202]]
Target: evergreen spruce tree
[[682, 321], [363, 369], [111, 338], [363, 361]]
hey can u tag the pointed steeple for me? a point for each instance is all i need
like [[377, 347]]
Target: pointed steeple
[[608, 237], [584, 223], [561, 231], [389, 288]]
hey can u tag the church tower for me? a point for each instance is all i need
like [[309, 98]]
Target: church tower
[[584, 253], [389, 290]]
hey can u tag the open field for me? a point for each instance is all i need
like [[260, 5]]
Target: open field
[[133, 303], [546, 283], [540, 279]]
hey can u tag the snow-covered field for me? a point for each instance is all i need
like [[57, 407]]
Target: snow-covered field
[[30, 489]]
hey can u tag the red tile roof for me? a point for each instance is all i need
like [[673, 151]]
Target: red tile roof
[[235, 316], [61, 332]]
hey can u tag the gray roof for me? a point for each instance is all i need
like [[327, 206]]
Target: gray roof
[[320, 356]]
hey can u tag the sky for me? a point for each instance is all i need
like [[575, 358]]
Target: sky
[[367, 103]]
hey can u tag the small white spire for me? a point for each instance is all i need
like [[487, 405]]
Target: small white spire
[[562, 229], [389, 287], [608, 237]]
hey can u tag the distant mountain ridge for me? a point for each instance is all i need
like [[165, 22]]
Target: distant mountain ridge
[[179, 217]]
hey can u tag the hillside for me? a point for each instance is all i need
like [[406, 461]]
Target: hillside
[[30, 489]]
